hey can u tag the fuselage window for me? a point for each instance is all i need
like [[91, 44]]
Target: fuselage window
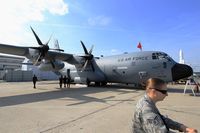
[[160, 56], [154, 56]]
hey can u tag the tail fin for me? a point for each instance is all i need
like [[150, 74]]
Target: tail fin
[[56, 44], [57, 47]]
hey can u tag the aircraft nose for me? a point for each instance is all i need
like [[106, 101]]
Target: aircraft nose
[[180, 71]]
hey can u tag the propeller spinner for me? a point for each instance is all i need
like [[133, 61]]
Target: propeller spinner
[[88, 57], [43, 48]]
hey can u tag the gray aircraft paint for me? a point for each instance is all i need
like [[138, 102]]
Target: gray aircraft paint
[[135, 67], [126, 68]]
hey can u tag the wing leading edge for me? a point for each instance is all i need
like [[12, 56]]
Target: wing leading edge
[[14, 50]]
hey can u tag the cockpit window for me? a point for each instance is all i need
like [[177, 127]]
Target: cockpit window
[[160, 56]]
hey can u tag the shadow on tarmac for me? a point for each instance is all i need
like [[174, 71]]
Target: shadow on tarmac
[[188, 91], [175, 90], [78, 94]]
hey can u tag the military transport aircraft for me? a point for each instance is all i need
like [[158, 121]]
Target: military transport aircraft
[[134, 68]]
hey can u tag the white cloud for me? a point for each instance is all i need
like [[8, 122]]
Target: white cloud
[[99, 21], [15, 14]]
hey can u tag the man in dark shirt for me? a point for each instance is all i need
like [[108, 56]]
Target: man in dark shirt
[[61, 81], [34, 81]]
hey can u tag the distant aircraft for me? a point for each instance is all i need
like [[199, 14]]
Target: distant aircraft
[[133, 68]]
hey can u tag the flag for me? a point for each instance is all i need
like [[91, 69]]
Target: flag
[[139, 46]]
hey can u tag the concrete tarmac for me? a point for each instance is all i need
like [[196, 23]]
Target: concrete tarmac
[[81, 109]]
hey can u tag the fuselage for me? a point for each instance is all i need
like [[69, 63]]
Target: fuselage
[[134, 67]]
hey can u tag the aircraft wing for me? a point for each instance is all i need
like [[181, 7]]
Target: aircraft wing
[[24, 51], [52, 55], [14, 50], [36, 54]]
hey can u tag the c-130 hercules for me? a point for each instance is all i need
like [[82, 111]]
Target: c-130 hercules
[[131, 68]]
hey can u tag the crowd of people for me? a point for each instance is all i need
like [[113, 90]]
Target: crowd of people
[[64, 80]]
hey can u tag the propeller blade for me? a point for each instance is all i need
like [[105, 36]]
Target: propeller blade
[[38, 59], [85, 56], [36, 36], [49, 40], [84, 48], [52, 64], [85, 65], [90, 52], [88, 57]]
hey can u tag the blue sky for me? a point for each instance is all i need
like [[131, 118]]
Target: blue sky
[[112, 26]]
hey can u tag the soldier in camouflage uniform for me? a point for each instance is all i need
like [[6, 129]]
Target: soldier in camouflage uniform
[[147, 118]]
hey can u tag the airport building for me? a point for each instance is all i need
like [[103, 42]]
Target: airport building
[[9, 64], [13, 70]]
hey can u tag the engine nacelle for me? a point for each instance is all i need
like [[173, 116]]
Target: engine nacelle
[[50, 66], [33, 54]]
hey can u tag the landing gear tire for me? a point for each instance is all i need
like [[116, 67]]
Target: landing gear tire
[[97, 84], [103, 83], [88, 83]]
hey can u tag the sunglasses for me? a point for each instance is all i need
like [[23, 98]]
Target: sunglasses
[[162, 91]]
